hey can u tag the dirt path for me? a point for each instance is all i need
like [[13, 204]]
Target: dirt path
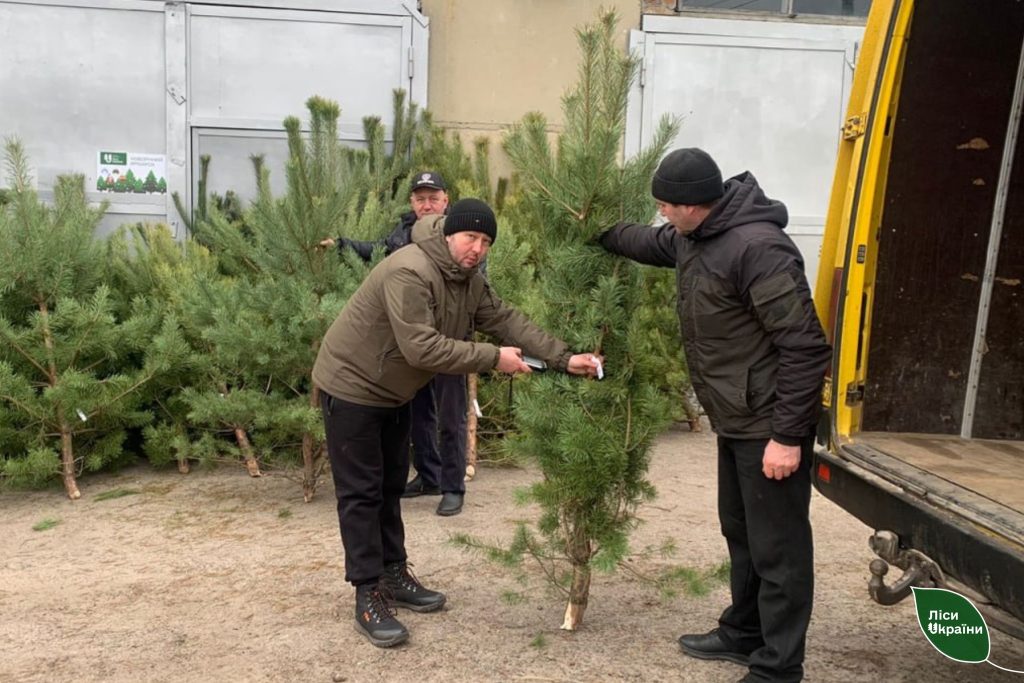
[[217, 577]]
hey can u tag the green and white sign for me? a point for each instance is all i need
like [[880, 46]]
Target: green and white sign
[[131, 172], [954, 626]]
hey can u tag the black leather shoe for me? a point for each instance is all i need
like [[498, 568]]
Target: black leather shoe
[[711, 646], [451, 504], [406, 590], [376, 620], [416, 487]]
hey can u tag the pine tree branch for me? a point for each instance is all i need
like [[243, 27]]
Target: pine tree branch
[[26, 355], [99, 409], [555, 199], [549, 572], [25, 408], [83, 336]]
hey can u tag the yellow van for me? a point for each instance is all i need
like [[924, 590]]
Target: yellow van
[[921, 289]]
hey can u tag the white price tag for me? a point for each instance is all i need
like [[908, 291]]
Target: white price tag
[[600, 370], [476, 408], [81, 415]]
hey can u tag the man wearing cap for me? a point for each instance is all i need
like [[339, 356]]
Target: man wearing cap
[[757, 357], [408, 320], [439, 455]]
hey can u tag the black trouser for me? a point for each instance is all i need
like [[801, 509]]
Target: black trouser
[[369, 452], [766, 524], [441, 403]]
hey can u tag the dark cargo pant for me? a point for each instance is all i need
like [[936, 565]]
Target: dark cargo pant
[[440, 407], [369, 452], [766, 525]]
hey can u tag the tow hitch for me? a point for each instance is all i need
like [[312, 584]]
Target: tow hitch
[[919, 570]]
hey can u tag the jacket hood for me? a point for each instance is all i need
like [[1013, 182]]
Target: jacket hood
[[743, 202], [427, 235]]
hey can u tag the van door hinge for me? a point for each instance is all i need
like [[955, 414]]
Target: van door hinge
[[854, 126], [412, 62], [854, 393]]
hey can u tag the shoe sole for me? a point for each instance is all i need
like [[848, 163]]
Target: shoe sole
[[419, 608], [734, 657], [417, 494], [381, 642]]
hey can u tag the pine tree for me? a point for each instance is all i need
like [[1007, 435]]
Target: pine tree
[[71, 365], [591, 438], [146, 260]]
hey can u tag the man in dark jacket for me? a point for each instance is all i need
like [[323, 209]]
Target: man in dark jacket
[[757, 357], [410, 319], [439, 455]]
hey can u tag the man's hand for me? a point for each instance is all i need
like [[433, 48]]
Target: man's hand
[[780, 461], [510, 360], [584, 364], [328, 242]]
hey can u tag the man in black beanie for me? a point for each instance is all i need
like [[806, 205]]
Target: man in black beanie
[[757, 357], [411, 318], [438, 409]]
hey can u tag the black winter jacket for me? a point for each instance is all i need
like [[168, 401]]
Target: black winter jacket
[[399, 237], [755, 348]]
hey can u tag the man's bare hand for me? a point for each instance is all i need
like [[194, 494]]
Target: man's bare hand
[[510, 360], [328, 242], [780, 460], [584, 364]]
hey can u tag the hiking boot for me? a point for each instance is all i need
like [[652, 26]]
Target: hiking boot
[[451, 504], [375, 618], [417, 487], [405, 590], [711, 646]]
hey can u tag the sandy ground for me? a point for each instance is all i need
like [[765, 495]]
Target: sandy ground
[[215, 576]]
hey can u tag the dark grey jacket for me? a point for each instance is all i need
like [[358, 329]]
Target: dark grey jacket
[[756, 351]]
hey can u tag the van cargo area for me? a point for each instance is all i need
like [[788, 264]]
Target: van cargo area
[[936, 453]]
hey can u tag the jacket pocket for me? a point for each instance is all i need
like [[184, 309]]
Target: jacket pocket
[[761, 385], [776, 301], [726, 396], [385, 356]]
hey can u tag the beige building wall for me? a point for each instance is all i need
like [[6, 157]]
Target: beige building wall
[[492, 61]]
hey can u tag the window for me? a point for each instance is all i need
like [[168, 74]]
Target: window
[[745, 5], [841, 8]]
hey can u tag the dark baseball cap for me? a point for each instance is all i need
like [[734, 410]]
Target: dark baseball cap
[[427, 179]]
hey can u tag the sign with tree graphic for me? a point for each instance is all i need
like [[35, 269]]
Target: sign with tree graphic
[[954, 626], [131, 173]]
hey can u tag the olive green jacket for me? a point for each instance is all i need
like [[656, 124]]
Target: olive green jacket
[[409, 319]]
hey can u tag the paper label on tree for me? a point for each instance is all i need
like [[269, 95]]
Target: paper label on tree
[[476, 408], [131, 173]]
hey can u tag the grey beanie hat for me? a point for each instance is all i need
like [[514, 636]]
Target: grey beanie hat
[[473, 215], [687, 176]]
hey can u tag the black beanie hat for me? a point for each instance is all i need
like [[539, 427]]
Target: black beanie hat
[[687, 176], [471, 214]]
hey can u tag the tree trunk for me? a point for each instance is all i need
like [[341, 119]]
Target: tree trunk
[[579, 593], [183, 464], [309, 476], [471, 422], [67, 457], [251, 465], [67, 451], [692, 414]]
